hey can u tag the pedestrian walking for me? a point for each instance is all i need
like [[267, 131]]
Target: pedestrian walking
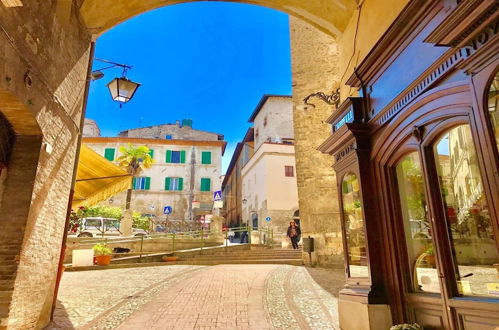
[[294, 233], [244, 236]]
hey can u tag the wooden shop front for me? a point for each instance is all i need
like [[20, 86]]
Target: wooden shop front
[[417, 157]]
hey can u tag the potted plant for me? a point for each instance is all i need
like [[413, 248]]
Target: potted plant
[[430, 256], [170, 258], [407, 326], [102, 254]]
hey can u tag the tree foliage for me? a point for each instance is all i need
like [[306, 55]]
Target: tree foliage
[[134, 159]]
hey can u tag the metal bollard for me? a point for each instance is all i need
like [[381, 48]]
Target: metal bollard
[[173, 244], [141, 247]]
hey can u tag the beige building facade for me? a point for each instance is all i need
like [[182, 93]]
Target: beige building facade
[[184, 170], [269, 189]]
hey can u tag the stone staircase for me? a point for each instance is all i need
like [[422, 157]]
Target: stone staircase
[[260, 256]]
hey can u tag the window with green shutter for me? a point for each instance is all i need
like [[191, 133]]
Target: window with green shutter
[[174, 184], [205, 184], [175, 157], [151, 153], [206, 157], [141, 183], [109, 154]]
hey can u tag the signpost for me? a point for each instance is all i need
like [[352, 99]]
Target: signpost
[[217, 195], [167, 210]]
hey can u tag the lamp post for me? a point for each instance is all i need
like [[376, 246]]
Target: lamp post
[[121, 89]]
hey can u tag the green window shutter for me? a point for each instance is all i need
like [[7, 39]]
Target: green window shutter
[[167, 183], [206, 157], [180, 184], [151, 153], [148, 183], [168, 156], [109, 154], [133, 183], [205, 184], [182, 156]]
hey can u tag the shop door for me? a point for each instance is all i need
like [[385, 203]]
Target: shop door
[[451, 249]]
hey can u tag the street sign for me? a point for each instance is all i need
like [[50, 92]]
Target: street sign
[[218, 204], [217, 195], [268, 219], [167, 210]]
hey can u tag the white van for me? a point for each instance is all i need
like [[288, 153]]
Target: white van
[[99, 227]]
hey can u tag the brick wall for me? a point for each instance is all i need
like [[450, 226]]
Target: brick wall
[[43, 60]]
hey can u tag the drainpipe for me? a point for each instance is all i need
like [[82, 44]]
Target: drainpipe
[[73, 181]]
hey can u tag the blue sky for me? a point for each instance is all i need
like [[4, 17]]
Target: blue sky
[[209, 61]]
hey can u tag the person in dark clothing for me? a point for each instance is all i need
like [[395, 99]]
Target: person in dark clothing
[[244, 236], [294, 234]]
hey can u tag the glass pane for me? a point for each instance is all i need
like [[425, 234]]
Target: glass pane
[[416, 225], [493, 107], [354, 227], [468, 214]]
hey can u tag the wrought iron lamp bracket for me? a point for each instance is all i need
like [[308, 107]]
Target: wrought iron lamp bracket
[[332, 99]]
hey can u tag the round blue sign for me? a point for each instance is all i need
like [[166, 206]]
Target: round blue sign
[[268, 218]]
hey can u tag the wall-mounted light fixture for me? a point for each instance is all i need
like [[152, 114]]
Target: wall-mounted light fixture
[[331, 99], [122, 89]]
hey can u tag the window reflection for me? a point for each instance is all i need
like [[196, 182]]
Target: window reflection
[[493, 107], [416, 225], [468, 214], [354, 227]]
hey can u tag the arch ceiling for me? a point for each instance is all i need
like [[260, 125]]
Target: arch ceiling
[[330, 16]]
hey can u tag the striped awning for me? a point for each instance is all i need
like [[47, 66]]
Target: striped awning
[[97, 179]]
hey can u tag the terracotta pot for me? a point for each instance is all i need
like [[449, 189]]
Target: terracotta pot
[[170, 258], [103, 260], [430, 258]]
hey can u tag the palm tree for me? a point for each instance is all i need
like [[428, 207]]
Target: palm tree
[[134, 160]]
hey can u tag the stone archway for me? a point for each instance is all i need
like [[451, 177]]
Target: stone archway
[[20, 142], [330, 16]]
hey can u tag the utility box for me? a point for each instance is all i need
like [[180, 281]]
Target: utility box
[[308, 244]]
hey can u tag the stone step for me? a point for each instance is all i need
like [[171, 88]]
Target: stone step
[[238, 257], [295, 262]]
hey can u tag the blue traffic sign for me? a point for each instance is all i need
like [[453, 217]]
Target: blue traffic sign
[[217, 195], [167, 210], [268, 219]]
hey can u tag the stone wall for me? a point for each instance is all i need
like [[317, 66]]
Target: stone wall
[[176, 131], [43, 63], [315, 68]]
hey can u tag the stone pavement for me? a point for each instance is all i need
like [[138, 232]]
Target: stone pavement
[[196, 297]]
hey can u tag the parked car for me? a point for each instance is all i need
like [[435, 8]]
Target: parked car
[[99, 227]]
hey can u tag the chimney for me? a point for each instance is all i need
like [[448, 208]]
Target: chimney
[[187, 122]]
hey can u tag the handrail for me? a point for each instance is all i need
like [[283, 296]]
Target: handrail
[[196, 235]]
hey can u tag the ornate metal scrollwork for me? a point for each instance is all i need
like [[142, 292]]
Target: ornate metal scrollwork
[[332, 99]]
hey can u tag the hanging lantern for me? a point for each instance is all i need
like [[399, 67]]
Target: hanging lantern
[[122, 89]]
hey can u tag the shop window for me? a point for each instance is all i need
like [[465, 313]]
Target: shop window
[[354, 227], [493, 107], [468, 215], [418, 236]]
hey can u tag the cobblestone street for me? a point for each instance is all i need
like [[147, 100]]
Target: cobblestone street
[[199, 297]]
